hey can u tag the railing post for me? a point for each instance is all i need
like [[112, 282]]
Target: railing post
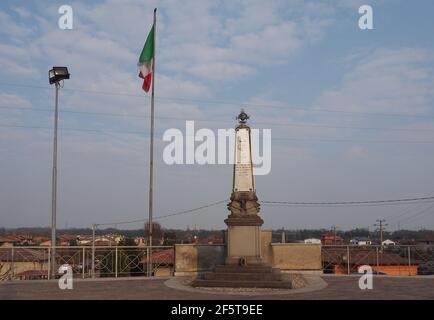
[[12, 262], [148, 259], [49, 262], [174, 260], [83, 263], [93, 250], [378, 262], [116, 262], [409, 260], [348, 259]]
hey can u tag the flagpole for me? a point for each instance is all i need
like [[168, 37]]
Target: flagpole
[[151, 157]]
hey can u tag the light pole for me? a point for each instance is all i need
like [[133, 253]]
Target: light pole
[[55, 75]]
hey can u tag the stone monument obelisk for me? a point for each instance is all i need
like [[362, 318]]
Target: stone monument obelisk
[[244, 222], [243, 266]]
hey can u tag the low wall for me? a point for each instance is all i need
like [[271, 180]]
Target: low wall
[[193, 258], [295, 256], [265, 246], [289, 257]]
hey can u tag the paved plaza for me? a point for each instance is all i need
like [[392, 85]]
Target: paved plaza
[[325, 287]]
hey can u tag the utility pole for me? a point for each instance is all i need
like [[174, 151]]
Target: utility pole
[[334, 234], [381, 226]]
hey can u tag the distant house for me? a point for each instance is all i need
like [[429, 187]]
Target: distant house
[[330, 239], [425, 242], [39, 240], [99, 240], [336, 260], [312, 241], [84, 240], [45, 243], [67, 239], [140, 241], [23, 263], [60, 242], [163, 262], [361, 241], [216, 238], [32, 275], [9, 241], [102, 243], [388, 242]]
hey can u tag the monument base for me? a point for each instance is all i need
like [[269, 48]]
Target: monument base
[[248, 276], [244, 240], [243, 267]]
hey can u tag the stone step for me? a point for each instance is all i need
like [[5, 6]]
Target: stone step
[[242, 284], [245, 269], [244, 276]]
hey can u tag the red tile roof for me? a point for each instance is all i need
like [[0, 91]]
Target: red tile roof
[[164, 256]]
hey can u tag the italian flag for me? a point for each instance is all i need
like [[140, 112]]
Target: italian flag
[[146, 60]]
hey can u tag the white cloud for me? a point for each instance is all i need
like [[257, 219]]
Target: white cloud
[[22, 12], [273, 41], [255, 35], [15, 61], [10, 67], [387, 80], [11, 106], [252, 16], [12, 100], [171, 86], [221, 71], [10, 27]]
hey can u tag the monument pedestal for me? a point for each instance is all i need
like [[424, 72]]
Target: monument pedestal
[[244, 240]]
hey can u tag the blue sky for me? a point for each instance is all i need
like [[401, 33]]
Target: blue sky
[[351, 111]]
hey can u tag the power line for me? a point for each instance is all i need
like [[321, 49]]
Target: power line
[[423, 215], [191, 210], [354, 140], [164, 216], [321, 125], [73, 129], [339, 206], [404, 212], [352, 202], [273, 138], [421, 212], [187, 100], [271, 202]]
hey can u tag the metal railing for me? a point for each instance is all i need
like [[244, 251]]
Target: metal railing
[[391, 260], [104, 261], [122, 261]]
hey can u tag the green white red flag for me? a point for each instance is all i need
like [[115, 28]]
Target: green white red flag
[[146, 60]]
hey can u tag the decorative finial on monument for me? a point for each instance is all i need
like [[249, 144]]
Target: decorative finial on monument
[[242, 117]]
